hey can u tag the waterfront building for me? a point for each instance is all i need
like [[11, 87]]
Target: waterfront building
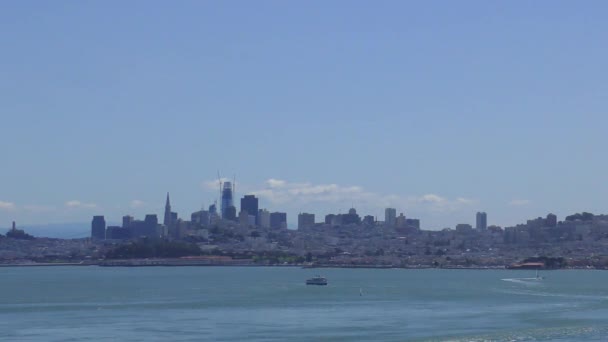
[[227, 201], [249, 204], [278, 220], [306, 220], [481, 221], [329, 218], [390, 217], [98, 228]]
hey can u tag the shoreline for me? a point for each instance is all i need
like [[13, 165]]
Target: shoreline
[[238, 263]]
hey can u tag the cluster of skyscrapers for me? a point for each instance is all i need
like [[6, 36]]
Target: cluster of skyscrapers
[[249, 215]]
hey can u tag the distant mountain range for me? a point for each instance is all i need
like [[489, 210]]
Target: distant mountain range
[[57, 230]]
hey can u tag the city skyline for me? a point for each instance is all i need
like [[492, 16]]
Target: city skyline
[[277, 194], [441, 110]]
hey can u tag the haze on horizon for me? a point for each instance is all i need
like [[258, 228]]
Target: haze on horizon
[[438, 109]]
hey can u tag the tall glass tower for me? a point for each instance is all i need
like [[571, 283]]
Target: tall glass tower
[[481, 221], [226, 198]]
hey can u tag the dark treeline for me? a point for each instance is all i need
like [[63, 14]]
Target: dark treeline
[[148, 248], [584, 216]]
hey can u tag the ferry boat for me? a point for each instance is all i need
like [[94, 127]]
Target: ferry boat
[[318, 280]]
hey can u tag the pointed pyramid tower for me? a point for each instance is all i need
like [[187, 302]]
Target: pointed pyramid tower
[[167, 221]]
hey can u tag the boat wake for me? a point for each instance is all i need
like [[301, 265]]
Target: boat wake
[[525, 281]]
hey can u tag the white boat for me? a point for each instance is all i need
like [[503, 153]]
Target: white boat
[[318, 280]]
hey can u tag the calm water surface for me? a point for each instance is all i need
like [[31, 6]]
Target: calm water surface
[[265, 304]]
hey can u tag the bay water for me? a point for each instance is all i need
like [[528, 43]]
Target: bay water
[[274, 304]]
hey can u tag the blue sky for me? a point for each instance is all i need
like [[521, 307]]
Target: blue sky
[[437, 108]]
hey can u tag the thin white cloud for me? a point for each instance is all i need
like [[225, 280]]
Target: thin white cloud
[[276, 183], [436, 203], [281, 191], [284, 192], [284, 195], [519, 202], [7, 206], [137, 204], [432, 198], [75, 204], [467, 201], [36, 208]]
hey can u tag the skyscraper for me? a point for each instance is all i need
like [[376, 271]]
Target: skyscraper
[[306, 220], [329, 218], [168, 221], [481, 221], [227, 200], [249, 204], [230, 213], [390, 217], [263, 218], [278, 220], [151, 226], [98, 228], [200, 217], [400, 221], [126, 221]]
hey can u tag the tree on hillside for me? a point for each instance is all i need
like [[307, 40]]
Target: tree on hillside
[[584, 216]]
